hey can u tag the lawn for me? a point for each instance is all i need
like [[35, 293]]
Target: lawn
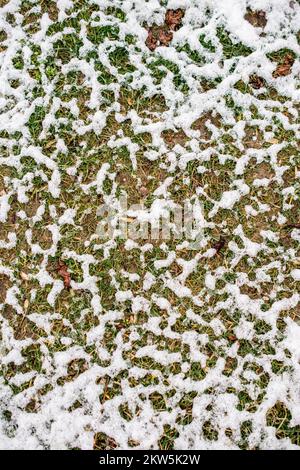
[[146, 338]]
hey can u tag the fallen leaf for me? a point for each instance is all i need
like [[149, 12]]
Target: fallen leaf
[[173, 18], [143, 191], [257, 18], [158, 36], [256, 82], [165, 37], [219, 245], [284, 68], [151, 41], [63, 272], [162, 35], [232, 337]]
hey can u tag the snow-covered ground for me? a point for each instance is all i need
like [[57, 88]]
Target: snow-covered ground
[[149, 340]]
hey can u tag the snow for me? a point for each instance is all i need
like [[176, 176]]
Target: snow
[[145, 317], [295, 273]]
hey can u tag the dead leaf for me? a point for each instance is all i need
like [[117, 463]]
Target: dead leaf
[[158, 36], [232, 337], [173, 18], [120, 326], [162, 35], [256, 82], [63, 272], [24, 276], [219, 245], [284, 68], [143, 191], [165, 37], [257, 18], [151, 41]]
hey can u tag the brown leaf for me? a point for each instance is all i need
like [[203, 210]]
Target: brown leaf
[[158, 36], [165, 37], [151, 41], [172, 138], [284, 68], [219, 245], [143, 191], [120, 326], [24, 276], [232, 337], [256, 82], [173, 18], [62, 270], [162, 35], [257, 18]]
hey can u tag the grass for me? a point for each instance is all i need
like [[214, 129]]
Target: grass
[[203, 329], [230, 48]]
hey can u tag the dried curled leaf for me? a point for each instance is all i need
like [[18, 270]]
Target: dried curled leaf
[[257, 18], [165, 37], [219, 244], [151, 41], [232, 337], [64, 273], [284, 68], [256, 82], [158, 36], [162, 35], [173, 18]]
